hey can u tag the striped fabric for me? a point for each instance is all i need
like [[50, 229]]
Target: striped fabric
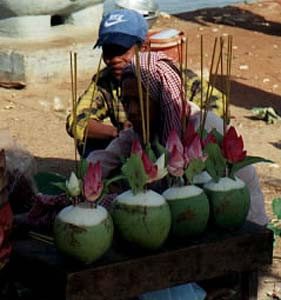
[[165, 84]]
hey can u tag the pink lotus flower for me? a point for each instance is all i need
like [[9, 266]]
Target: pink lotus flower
[[176, 162], [180, 154], [154, 171], [194, 149], [232, 146], [176, 159], [92, 183]]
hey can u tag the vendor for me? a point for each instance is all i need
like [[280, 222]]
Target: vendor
[[101, 114]]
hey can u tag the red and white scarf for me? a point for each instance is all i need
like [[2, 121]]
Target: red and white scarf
[[165, 86]]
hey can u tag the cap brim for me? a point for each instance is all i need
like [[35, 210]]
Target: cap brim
[[120, 39]]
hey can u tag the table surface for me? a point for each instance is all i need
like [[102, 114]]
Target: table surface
[[123, 272]]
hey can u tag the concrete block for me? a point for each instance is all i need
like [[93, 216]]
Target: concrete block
[[88, 17], [26, 26], [40, 61]]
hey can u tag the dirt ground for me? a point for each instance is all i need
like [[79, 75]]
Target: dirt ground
[[35, 115]]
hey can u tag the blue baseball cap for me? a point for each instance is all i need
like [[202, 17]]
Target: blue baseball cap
[[123, 27]]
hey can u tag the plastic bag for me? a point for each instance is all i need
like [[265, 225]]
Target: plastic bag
[[21, 166], [190, 291]]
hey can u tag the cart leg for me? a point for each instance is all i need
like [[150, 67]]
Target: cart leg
[[249, 285]]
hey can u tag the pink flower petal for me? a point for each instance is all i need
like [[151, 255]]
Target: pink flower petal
[[174, 141], [176, 162], [92, 184], [149, 167], [136, 147]]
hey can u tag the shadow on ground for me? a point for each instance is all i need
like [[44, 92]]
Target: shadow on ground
[[247, 97], [232, 16]]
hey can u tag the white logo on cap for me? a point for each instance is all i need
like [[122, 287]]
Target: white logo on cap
[[114, 19]]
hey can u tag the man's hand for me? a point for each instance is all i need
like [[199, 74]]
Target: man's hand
[[98, 130], [127, 125]]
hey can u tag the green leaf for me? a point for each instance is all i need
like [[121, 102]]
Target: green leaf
[[60, 185], [134, 172], [204, 133], [45, 182], [150, 152], [249, 160], [218, 135], [160, 149], [82, 168], [196, 166], [276, 207], [215, 163]]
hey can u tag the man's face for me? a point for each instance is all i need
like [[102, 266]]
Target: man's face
[[130, 98], [117, 58]]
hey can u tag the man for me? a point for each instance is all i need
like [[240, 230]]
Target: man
[[102, 115], [100, 111]]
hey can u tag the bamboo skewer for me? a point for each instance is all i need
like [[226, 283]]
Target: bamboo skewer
[[185, 120], [201, 92], [147, 100], [41, 237], [92, 100], [226, 97], [138, 72], [212, 82], [73, 74], [228, 86], [211, 72], [180, 46], [185, 64], [223, 84]]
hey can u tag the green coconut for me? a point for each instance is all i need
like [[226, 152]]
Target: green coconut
[[190, 210], [229, 202], [144, 219], [202, 178], [83, 232]]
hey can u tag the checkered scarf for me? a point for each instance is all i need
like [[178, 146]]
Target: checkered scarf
[[164, 84]]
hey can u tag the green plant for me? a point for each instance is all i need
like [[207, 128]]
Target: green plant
[[275, 223]]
